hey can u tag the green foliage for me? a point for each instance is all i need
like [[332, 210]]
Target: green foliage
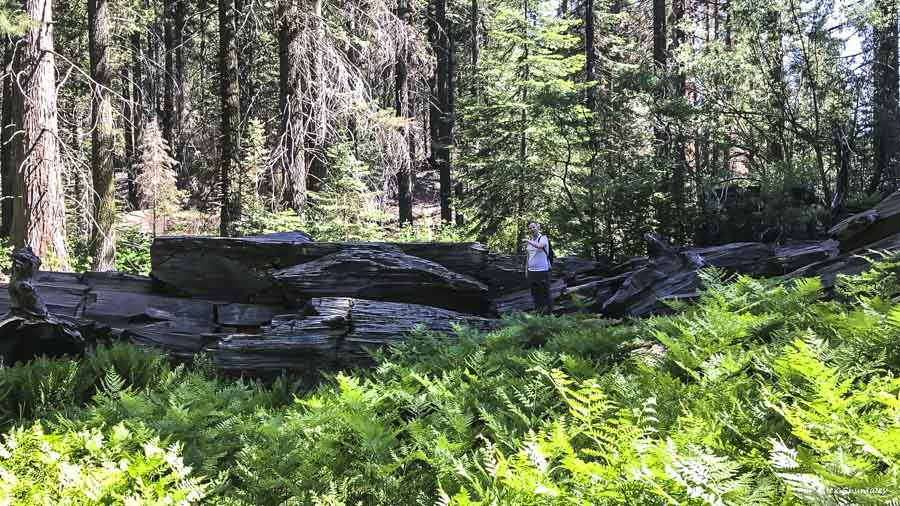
[[6, 249], [44, 385], [133, 251], [13, 20], [344, 209], [113, 466], [762, 393], [156, 181], [428, 230]]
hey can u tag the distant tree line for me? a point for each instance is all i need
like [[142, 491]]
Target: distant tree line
[[600, 118]]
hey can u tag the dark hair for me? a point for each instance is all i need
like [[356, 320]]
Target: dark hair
[[532, 221]]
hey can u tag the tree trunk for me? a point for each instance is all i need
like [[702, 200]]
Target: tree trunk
[[843, 149], [39, 218], [247, 58], [590, 52], [443, 132], [181, 14], [402, 107], [679, 169], [291, 157], [151, 74], [7, 165], [103, 241], [169, 43], [886, 94], [523, 147], [473, 28], [775, 146], [726, 8], [230, 103], [660, 57], [135, 116], [659, 33], [311, 88]]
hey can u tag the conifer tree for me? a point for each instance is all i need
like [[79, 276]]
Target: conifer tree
[[156, 181]]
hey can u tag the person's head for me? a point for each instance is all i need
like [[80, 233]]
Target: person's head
[[534, 228]]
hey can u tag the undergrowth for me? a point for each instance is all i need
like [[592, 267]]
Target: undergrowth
[[761, 393]]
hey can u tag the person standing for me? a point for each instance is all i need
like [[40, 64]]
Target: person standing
[[537, 267]]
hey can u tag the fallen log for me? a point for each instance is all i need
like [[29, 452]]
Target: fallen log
[[870, 226], [243, 269], [668, 274], [229, 269], [333, 332], [853, 262], [29, 328], [521, 300], [382, 273]]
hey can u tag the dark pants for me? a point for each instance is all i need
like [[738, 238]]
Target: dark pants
[[540, 290]]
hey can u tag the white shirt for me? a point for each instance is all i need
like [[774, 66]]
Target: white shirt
[[537, 257]]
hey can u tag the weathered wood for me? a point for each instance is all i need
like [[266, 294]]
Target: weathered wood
[[630, 265], [572, 268], [23, 336], [521, 300], [228, 269], [181, 337], [594, 294], [28, 328], [246, 315], [294, 236], [333, 331], [673, 275], [853, 262], [468, 258], [382, 273], [795, 254], [753, 258], [269, 303], [239, 269], [869, 226]]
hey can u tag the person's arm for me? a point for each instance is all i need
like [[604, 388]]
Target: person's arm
[[543, 244]]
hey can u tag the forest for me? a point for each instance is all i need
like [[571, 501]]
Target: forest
[[374, 120], [282, 241]]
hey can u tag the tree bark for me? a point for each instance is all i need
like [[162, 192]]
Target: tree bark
[[402, 107], [886, 94], [169, 43], [39, 218], [247, 58], [473, 28], [230, 104], [775, 146], [103, 240], [136, 115], [7, 165], [174, 19], [291, 156], [151, 74], [180, 81], [843, 149], [523, 144], [442, 138], [311, 89], [679, 169], [590, 52], [660, 57], [659, 33]]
